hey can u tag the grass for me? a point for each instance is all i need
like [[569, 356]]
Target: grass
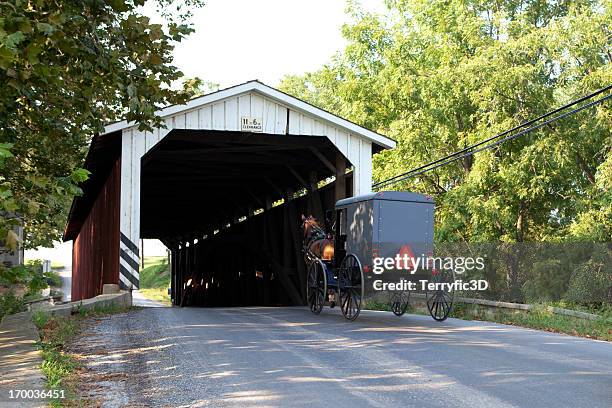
[[154, 260], [155, 276], [155, 279], [602, 309], [158, 294], [540, 319], [59, 367], [380, 306], [386, 307], [55, 333]]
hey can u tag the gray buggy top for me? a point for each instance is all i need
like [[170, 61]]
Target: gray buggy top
[[378, 238], [383, 225]]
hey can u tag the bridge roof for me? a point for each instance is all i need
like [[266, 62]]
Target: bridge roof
[[269, 92]]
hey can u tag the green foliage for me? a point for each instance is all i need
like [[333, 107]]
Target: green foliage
[[602, 309], [56, 366], [578, 273], [159, 294], [155, 276], [438, 76], [40, 319], [14, 275], [548, 281], [5, 152], [10, 304], [374, 305], [53, 279], [37, 283], [540, 319], [56, 332], [66, 69], [591, 282], [155, 279], [154, 260], [29, 275]]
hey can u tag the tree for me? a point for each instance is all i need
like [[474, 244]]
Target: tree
[[67, 68], [438, 76]]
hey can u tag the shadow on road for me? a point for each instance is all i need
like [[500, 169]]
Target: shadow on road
[[261, 356]]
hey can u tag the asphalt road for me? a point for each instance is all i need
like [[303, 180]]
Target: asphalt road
[[285, 357]]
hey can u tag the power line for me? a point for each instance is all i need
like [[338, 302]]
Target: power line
[[468, 151], [498, 135]]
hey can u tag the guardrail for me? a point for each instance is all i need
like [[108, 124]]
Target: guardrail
[[520, 306]]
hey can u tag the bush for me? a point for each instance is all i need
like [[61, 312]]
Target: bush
[[53, 279], [591, 282], [9, 304], [577, 272], [40, 319], [37, 283], [547, 281], [14, 275], [30, 275]]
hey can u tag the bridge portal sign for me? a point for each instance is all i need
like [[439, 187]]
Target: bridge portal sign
[[251, 124]]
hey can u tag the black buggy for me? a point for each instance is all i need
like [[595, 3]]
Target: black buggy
[[377, 225]]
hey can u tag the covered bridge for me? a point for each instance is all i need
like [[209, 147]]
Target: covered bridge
[[223, 186]]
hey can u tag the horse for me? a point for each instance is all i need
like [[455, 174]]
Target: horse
[[317, 243]]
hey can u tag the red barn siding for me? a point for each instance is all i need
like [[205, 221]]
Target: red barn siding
[[95, 254]]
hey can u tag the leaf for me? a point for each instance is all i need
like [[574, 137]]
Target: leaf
[[156, 32], [11, 41], [9, 205], [45, 28], [66, 68], [56, 18], [7, 56], [118, 5], [25, 26], [12, 240], [5, 150], [32, 53], [155, 59], [33, 207], [80, 175]]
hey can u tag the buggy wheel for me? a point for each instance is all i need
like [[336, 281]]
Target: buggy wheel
[[350, 287], [440, 301], [398, 301], [316, 286]]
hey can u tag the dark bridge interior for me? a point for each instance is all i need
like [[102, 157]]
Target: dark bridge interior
[[229, 204]]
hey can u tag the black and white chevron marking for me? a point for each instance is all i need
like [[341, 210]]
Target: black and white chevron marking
[[129, 261]]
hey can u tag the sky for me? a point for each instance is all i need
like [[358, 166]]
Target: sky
[[239, 40]]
